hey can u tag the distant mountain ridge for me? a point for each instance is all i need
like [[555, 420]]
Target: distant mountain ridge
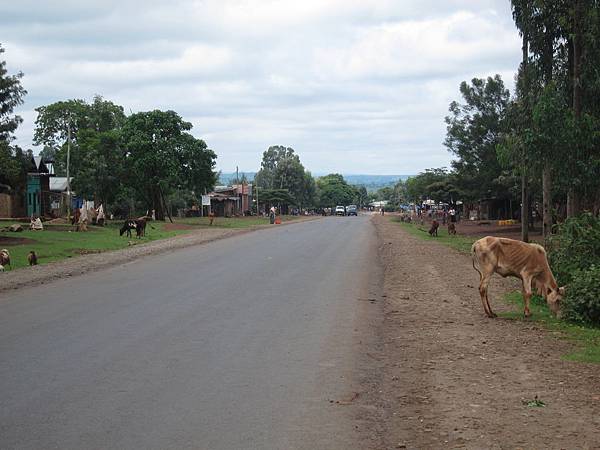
[[371, 182]]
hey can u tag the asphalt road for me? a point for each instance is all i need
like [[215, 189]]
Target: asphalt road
[[241, 343]]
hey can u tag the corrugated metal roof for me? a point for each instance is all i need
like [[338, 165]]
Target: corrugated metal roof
[[59, 183]]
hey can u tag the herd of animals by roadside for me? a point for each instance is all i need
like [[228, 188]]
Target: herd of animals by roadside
[[79, 222]]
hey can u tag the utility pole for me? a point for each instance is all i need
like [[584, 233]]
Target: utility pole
[[237, 183], [68, 163]]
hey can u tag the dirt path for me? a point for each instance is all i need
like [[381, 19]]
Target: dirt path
[[455, 379]]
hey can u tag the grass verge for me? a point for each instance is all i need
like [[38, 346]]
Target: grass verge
[[586, 338], [56, 242], [461, 243]]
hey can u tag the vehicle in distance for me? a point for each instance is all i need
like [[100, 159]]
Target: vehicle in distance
[[340, 211], [351, 210]]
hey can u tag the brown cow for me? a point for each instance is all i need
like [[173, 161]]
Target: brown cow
[[517, 259], [433, 231]]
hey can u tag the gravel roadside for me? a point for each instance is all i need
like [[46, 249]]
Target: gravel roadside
[[454, 378]]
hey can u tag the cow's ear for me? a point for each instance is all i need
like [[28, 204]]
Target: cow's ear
[[562, 290]]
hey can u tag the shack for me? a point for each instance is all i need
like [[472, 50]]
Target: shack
[[38, 188], [230, 201]]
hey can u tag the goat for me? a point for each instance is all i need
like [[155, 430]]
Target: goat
[[5, 258], [451, 228], [32, 258]]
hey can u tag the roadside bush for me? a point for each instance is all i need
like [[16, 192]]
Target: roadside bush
[[575, 247], [582, 300]]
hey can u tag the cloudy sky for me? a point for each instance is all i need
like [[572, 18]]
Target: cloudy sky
[[354, 86]]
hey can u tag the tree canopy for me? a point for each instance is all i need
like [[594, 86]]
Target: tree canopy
[[281, 169], [11, 96]]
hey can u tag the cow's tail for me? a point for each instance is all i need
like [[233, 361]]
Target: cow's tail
[[475, 259]]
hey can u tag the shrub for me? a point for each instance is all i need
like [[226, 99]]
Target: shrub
[[582, 300], [575, 247]]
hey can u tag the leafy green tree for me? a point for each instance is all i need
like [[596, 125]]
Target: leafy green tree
[[473, 132], [197, 165], [11, 96], [99, 165], [434, 184], [362, 197], [54, 121], [280, 197], [333, 190], [281, 169], [161, 155], [94, 124]]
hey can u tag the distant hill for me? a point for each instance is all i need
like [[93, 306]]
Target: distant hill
[[371, 182], [226, 179], [374, 182]]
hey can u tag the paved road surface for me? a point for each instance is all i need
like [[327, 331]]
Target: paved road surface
[[236, 344]]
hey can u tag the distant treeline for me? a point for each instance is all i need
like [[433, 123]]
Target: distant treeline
[[371, 182]]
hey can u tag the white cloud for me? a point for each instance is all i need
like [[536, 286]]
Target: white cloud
[[351, 85]]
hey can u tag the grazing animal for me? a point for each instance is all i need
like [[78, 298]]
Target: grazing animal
[[129, 225], [140, 226], [5, 258], [75, 217], [433, 231], [1, 268], [451, 228], [32, 258], [508, 257]]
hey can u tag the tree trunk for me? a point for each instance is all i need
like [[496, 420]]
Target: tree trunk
[[547, 201], [524, 210], [524, 193], [157, 204], [164, 203], [573, 207]]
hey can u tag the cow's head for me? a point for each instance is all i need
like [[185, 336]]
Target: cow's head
[[554, 299]]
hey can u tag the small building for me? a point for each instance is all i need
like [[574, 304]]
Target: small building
[[229, 201], [38, 188]]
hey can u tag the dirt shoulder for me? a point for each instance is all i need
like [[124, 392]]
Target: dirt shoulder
[[456, 379], [79, 265]]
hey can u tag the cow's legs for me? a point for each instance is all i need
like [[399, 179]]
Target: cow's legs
[[483, 292], [526, 295]]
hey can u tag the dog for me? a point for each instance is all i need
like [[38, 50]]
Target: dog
[[32, 258], [451, 228], [433, 231], [5, 258]]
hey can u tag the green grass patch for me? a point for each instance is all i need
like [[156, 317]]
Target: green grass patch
[[461, 243], [586, 338], [57, 242]]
